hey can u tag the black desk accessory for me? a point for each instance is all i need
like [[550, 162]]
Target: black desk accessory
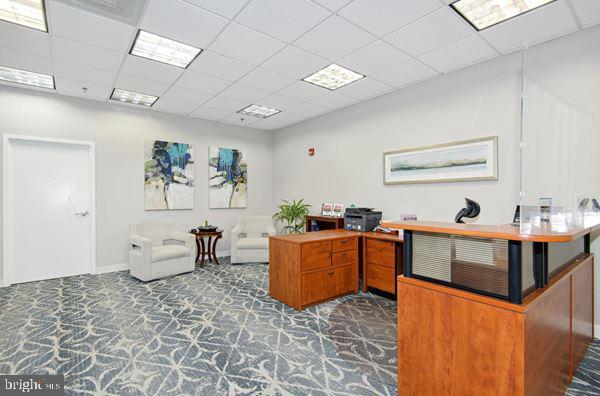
[[471, 210]]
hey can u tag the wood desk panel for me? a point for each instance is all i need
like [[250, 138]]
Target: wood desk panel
[[304, 269]]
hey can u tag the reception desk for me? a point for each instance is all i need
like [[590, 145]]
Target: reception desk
[[492, 309]]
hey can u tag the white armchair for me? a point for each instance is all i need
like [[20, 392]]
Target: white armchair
[[158, 250], [250, 239]]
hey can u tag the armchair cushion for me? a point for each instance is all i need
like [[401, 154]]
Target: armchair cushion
[[253, 243], [169, 252]]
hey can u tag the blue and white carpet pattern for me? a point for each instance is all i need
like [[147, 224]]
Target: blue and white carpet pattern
[[211, 332]]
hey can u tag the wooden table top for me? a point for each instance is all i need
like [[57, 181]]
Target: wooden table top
[[316, 236], [383, 236], [546, 233]]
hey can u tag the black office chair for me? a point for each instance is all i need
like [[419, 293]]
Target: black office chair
[[471, 210]]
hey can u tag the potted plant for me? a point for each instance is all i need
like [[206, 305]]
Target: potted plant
[[293, 215]]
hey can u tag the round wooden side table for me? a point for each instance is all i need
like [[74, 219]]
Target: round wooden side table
[[208, 249]]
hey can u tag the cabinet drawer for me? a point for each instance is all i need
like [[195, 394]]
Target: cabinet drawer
[[381, 252], [328, 283], [347, 257], [316, 255], [381, 277], [341, 245]]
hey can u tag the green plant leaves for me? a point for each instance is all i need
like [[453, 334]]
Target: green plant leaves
[[293, 214]]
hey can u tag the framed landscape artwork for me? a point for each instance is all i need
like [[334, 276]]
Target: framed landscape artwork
[[458, 161], [228, 178], [168, 175]]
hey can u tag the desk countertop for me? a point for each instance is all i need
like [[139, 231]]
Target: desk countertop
[[546, 233], [316, 236]]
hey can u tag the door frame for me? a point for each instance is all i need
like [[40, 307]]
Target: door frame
[[7, 236]]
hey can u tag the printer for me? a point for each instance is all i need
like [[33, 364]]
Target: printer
[[361, 219]]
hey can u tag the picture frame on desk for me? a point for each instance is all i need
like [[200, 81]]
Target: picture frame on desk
[[338, 210], [327, 209], [475, 159]]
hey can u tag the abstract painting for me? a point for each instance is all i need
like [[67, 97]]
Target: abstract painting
[[458, 161], [228, 178], [168, 175]]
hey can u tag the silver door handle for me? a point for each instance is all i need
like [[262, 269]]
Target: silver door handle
[[82, 214]]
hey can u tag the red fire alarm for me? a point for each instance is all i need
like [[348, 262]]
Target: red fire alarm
[[311, 151]]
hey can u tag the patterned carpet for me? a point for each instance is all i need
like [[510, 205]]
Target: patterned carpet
[[211, 332]]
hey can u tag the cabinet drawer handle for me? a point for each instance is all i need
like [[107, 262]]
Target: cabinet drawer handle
[[330, 273]]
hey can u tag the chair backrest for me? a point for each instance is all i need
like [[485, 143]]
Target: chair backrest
[[156, 231], [255, 226]]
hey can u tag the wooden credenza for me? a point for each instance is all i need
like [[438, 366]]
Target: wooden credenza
[[306, 269], [381, 261]]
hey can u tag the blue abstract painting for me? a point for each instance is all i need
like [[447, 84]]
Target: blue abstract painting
[[168, 175], [228, 178]]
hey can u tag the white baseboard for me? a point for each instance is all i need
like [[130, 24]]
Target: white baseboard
[[112, 268], [597, 331], [104, 269], [2, 283]]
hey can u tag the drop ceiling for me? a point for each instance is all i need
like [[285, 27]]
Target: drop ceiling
[[258, 51]]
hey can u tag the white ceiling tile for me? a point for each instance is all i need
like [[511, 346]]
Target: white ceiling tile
[[333, 100], [373, 58], [364, 88], [334, 38], [220, 66], [25, 61], [266, 80], [82, 26], [278, 102], [332, 5], [240, 120], [210, 113], [25, 39], [433, 31], [278, 121], [302, 91], [151, 70], [226, 8], [201, 82], [243, 93], [381, 17], [459, 54], [85, 54], [405, 73], [286, 20], [140, 85], [186, 95], [227, 104], [295, 63], [541, 24], [245, 44], [84, 73], [174, 106], [588, 11], [66, 86], [308, 110], [182, 22]]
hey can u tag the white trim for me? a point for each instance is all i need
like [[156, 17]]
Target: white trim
[[2, 283], [597, 331], [7, 198], [105, 269]]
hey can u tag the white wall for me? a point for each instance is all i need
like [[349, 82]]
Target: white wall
[[349, 144], [119, 133]]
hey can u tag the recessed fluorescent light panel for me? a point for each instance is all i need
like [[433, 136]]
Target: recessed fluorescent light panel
[[333, 77], [485, 13], [141, 99], [259, 111], [161, 49], [28, 13], [26, 77]]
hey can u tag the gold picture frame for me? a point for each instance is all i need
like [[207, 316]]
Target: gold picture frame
[[465, 160]]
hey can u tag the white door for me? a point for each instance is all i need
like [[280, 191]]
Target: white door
[[50, 187]]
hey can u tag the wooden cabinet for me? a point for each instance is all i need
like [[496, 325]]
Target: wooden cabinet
[[310, 268], [382, 261], [453, 342]]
